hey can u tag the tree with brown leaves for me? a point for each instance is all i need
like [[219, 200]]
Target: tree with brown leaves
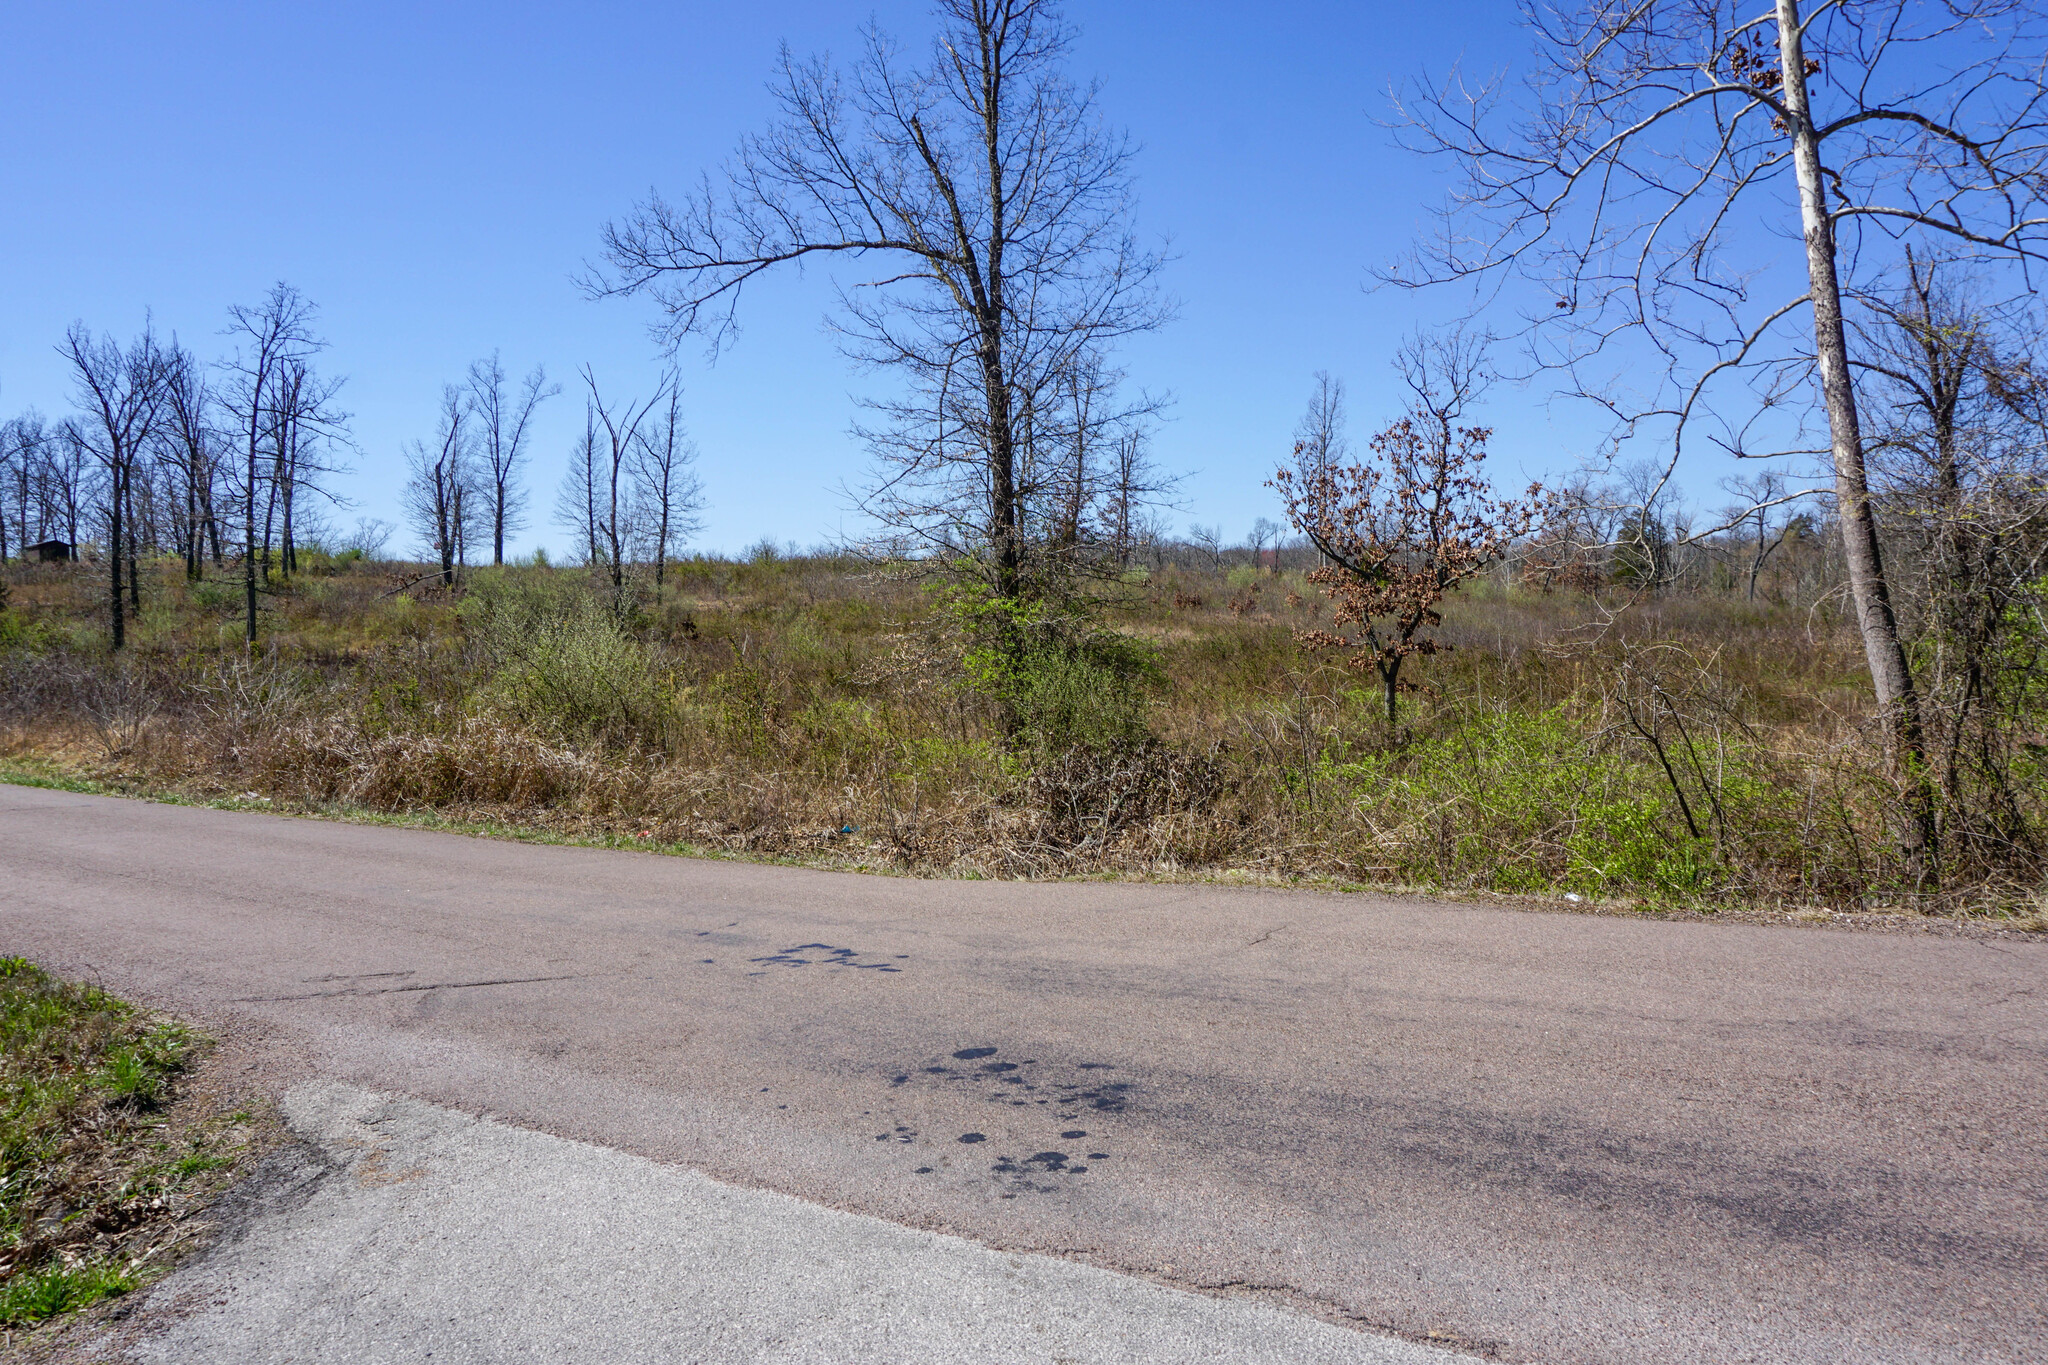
[[1403, 529]]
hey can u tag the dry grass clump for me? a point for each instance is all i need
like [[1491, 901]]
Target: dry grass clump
[[1696, 751]]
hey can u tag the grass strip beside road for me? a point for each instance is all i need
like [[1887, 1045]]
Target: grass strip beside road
[[99, 1173], [30, 770]]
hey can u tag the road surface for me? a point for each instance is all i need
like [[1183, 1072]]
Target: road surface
[[1545, 1137]]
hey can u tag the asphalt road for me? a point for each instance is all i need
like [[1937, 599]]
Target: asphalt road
[[1555, 1138], [401, 1231]]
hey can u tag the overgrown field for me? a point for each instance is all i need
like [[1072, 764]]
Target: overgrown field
[[1697, 751]]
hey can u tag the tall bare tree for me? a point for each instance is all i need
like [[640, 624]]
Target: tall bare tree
[[304, 427], [441, 491], [503, 420], [121, 392], [64, 475], [601, 485], [24, 442], [1319, 439], [1135, 491], [195, 447], [1958, 431], [1626, 178], [271, 336], [667, 492], [996, 207], [576, 500], [1763, 517]]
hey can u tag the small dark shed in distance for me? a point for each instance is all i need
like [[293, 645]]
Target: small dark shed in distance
[[53, 551]]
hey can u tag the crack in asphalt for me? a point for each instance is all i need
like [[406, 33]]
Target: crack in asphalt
[[354, 976], [395, 990]]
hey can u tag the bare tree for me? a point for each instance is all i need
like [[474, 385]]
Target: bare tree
[[1572, 548], [1762, 505], [1402, 532], [1958, 427], [23, 454], [121, 389], [440, 494], [271, 336], [1135, 493], [1209, 541], [1623, 180], [599, 490], [304, 426], [1265, 533], [65, 473], [1319, 440], [997, 206], [369, 538], [15, 458], [195, 447], [667, 492], [502, 423], [576, 501]]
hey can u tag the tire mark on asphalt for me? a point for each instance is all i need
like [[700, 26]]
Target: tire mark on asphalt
[[396, 990]]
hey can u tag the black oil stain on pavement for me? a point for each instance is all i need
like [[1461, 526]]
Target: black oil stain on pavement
[[1027, 1176], [1057, 1093], [824, 954]]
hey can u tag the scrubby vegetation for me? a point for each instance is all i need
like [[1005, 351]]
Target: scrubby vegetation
[[1676, 749]]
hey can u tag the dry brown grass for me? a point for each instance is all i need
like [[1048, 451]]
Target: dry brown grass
[[814, 709]]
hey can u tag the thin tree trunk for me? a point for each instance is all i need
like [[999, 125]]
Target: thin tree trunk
[[1890, 673], [249, 523], [114, 529], [134, 557], [611, 530], [192, 533], [288, 547], [269, 518], [661, 536]]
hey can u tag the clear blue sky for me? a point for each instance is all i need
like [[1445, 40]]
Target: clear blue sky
[[433, 174]]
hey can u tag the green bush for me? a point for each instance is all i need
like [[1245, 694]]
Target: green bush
[[1059, 681], [212, 594], [1518, 801], [18, 632], [78, 1071], [1084, 694], [559, 660]]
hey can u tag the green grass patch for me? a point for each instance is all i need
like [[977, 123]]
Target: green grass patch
[[31, 1297], [81, 1076]]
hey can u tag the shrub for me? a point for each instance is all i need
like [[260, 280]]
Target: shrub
[[1058, 681], [560, 660]]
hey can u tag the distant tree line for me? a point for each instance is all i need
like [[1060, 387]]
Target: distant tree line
[[224, 463]]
